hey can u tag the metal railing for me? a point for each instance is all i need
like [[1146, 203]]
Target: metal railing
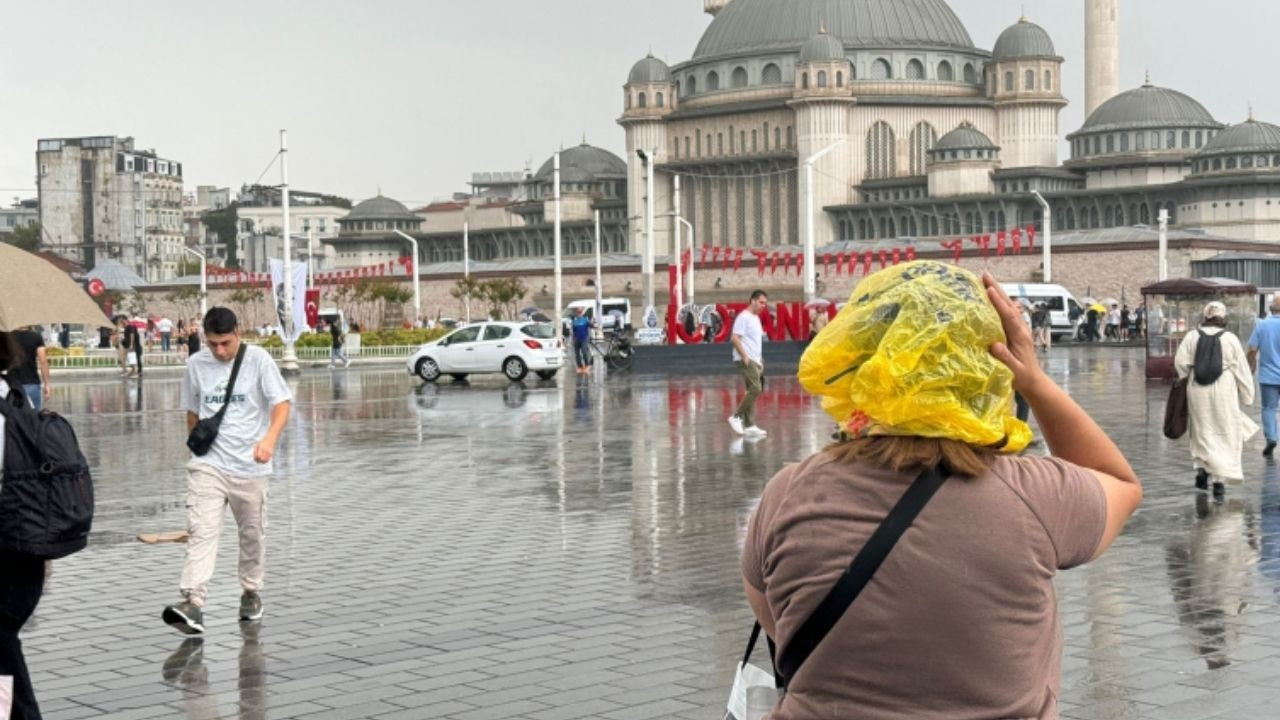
[[97, 358]]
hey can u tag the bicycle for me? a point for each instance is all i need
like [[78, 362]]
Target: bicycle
[[616, 350]]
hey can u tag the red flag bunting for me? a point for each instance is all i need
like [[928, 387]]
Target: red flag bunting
[[896, 258], [883, 264], [705, 250], [1000, 242], [955, 246], [866, 263], [773, 263], [761, 258], [826, 264], [982, 241], [911, 253], [1031, 237], [1017, 241], [737, 260]]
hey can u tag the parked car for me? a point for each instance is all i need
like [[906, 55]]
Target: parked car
[[1058, 299], [512, 348], [615, 313]]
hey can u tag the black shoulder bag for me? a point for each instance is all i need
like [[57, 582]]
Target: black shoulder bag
[[864, 565], [206, 430]]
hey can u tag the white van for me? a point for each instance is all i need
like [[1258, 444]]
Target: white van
[[1059, 300], [610, 308]]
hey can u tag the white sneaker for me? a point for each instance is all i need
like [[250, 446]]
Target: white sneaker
[[735, 422], [346, 363], [754, 431]]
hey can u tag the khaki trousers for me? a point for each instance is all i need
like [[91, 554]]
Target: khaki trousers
[[209, 492], [753, 378]]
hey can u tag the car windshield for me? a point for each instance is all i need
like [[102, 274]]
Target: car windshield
[[541, 331]]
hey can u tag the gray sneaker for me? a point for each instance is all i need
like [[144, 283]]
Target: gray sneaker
[[250, 606], [186, 617]]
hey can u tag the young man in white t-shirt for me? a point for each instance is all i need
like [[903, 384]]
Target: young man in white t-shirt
[[235, 470], [748, 356]]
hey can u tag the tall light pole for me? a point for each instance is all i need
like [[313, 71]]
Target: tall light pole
[[417, 292], [810, 284], [204, 279], [311, 259], [647, 266], [688, 287], [289, 360], [1164, 244], [599, 274], [1048, 236], [466, 265], [557, 240]]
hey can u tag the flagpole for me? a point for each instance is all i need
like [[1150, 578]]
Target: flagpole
[[289, 359]]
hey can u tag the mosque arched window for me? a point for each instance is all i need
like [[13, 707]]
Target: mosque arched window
[[1171, 140], [881, 162], [1199, 138], [1186, 138], [1124, 142], [692, 85], [1217, 163], [1111, 143], [804, 81], [1144, 214], [1263, 161], [791, 141], [822, 78], [739, 78], [839, 79], [628, 101], [915, 70], [970, 74], [1093, 218], [1231, 163], [1029, 80], [1008, 81], [880, 70], [772, 75], [923, 138], [642, 101], [1155, 140], [1140, 140], [1048, 80], [662, 101], [777, 138], [946, 73], [713, 81], [679, 92]]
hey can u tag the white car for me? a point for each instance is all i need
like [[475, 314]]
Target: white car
[[512, 348]]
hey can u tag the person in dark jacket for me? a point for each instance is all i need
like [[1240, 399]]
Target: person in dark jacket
[[21, 577]]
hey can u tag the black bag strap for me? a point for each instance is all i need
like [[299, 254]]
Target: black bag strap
[[773, 652], [864, 565], [231, 384]]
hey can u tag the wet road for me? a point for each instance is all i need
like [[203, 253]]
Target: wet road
[[569, 549]]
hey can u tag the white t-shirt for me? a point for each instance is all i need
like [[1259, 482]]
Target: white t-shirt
[[748, 328], [259, 387], [165, 325]]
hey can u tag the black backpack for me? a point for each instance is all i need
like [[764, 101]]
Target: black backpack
[[46, 493], [1208, 367]]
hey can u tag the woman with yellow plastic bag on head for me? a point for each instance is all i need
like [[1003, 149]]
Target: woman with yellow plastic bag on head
[[907, 572]]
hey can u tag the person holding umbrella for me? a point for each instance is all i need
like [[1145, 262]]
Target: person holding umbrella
[[819, 315]]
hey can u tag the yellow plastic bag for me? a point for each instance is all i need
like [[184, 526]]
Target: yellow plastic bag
[[908, 356]]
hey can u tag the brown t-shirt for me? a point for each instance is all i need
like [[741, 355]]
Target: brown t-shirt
[[961, 620]]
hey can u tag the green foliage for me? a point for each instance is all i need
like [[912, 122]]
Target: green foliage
[[335, 201], [383, 338], [26, 237], [188, 266], [187, 300], [503, 296], [221, 224]]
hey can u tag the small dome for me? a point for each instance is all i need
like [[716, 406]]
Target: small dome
[[965, 137], [1149, 107], [583, 163], [380, 208], [649, 70], [1249, 136], [822, 48], [1024, 40]]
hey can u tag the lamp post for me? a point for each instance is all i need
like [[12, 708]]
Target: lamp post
[[466, 265], [1164, 244], [289, 359], [810, 286], [557, 239], [204, 279], [1048, 236], [417, 293], [599, 278], [647, 266], [690, 286]]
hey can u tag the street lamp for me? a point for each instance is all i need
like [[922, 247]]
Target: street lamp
[[1048, 236], [204, 279], [417, 296], [810, 284]]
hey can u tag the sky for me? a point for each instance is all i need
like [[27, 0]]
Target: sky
[[411, 97]]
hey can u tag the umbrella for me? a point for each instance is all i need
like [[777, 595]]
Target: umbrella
[[1097, 308], [537, 316], [818, 304], [37, 293], [530, 310]]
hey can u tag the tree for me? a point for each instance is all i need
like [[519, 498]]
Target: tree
[[503, 295], [223, 225], [186, 299], [188, 266], [467, 289], [26, 237], [245, 298]]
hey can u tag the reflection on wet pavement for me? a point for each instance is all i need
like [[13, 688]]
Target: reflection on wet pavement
[[569, 549]]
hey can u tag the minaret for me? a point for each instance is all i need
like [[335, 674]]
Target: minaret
[[649, 97], [714, 6], [1101, 52]]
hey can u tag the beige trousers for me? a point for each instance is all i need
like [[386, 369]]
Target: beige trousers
[[209, 492]]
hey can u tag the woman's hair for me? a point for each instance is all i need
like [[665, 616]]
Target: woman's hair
[[10, 352], [916, 454], [1220, 322]]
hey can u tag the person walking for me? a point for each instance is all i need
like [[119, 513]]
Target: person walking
[[32, 372], [1093, 317], [165, 327], [1218, 382], [336, 352], [1113, 323], [1264, 359], [235, 470], [748, 357], [581, 341], [193, 337], [998, 529], [1125, 320], [21, 576]]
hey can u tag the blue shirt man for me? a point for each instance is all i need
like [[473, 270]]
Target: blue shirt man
[[581, 334], [1264, 357]]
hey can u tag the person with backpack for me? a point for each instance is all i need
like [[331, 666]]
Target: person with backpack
[[1219, 381], [948, 610], [237, 406]]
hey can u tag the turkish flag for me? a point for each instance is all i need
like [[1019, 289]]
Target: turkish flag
[[313, 307], [761, 258], [1031, 237], [1000, 242], [896, 259], [705, 250], [737, 259], [786, 263], [955, 246], [773, 263], [866, 263], [911, 253], [883, 264], [1017, 241], [826, 263]]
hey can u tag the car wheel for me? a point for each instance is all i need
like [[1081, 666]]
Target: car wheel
[[515, 369], [428, 369], [546, 374], [460, 377]]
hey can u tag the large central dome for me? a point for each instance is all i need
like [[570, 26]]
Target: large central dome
[[750, 26]]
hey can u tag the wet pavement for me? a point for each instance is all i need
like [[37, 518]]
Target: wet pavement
[[569, 550]]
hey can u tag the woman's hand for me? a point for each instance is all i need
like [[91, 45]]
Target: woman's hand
[[1019, 353]]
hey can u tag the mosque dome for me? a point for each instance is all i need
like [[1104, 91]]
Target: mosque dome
[[380, 208], [1249, 136], [1149, 107], [1024, 40], [822, 48], [964, 137], [754, 26], [584, 163], [649, 70]]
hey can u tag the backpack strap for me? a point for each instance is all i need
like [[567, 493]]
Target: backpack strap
[[864, 565], [231, 384]]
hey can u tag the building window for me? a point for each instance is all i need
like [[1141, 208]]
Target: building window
[[822, 78], [1124, 142], [970, 74], [1171, 140], [881, 162], [692, 85], [1048, 80], [662, 101], [739, 78], [642, 100], [686, 146], [804, 81], [1111, 143], [679, 92], [777, 138], [772, 75], [713, 81], [791, 141], [839, 79], [923, 138], [755, 145], [946, 73], [1186, 138], [766, 137], [915, 70], [128, 165], [1141, 140], [1199, 138], [1029, 80], [880, 70], [719, 143]]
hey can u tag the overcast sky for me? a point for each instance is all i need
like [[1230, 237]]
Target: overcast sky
[[414, 96]]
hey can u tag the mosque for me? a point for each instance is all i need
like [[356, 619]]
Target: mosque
[[915, 132]]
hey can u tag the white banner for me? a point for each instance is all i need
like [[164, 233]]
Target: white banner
[[299, 296]]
